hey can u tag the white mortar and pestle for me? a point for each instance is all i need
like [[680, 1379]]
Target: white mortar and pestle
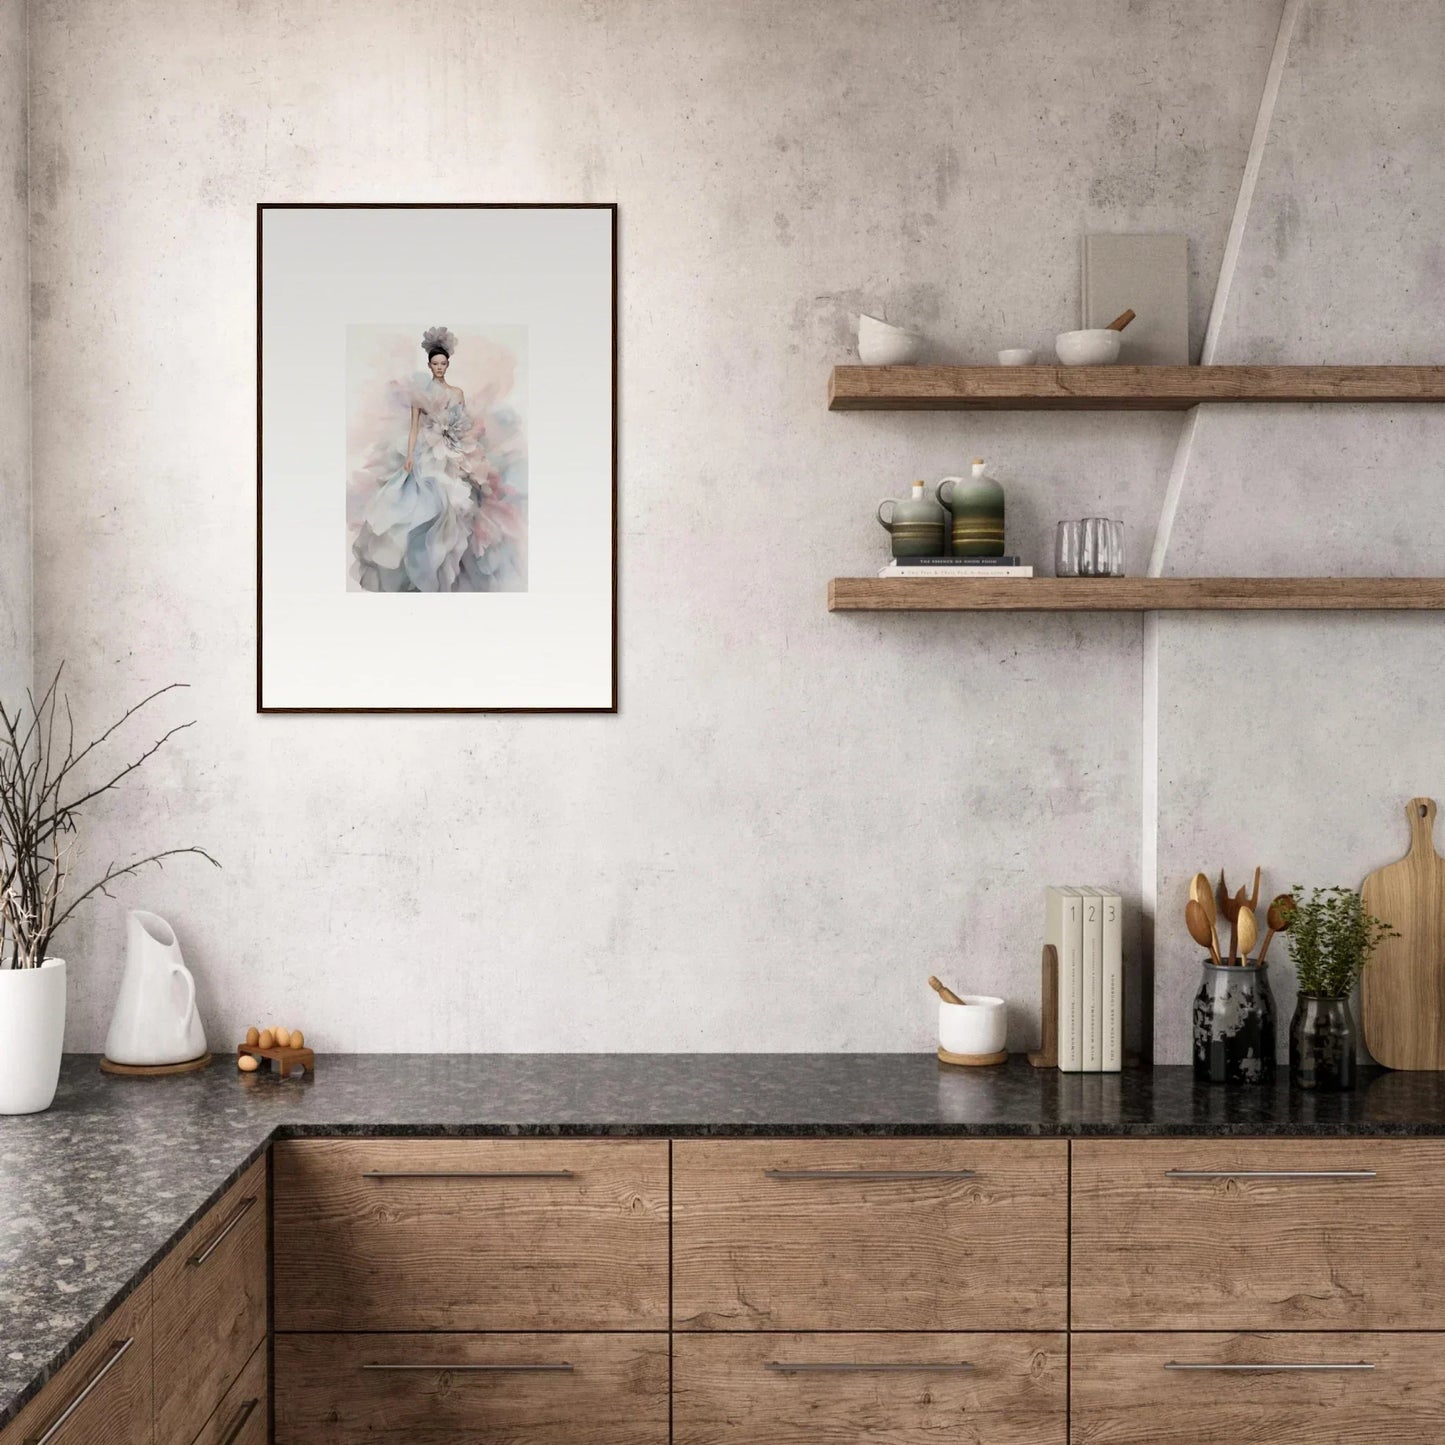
[[972, 1028]]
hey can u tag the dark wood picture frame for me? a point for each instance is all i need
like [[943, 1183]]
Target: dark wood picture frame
[[261, 208]]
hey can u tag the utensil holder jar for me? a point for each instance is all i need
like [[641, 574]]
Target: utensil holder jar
[[1234, 1024]]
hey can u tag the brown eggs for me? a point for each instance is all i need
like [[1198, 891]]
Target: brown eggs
[[266, 1040], [253, 1038], [297, 1038], [283, 1037], [248, 1063]]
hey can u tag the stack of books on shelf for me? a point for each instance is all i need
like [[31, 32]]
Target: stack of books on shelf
[[951, 567], [1084, 925]]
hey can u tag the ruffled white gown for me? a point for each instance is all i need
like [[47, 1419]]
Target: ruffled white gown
[[449, 524]]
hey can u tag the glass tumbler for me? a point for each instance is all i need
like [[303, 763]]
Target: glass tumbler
[[1116, 549], [1095, 547], [1066, 550]]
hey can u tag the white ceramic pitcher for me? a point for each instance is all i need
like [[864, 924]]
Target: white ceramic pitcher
[[155, 1019]]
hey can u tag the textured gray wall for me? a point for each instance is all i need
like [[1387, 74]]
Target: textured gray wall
[[796, 816], [14, 360]]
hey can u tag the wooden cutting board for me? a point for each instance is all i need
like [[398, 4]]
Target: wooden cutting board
[[1403, 988]]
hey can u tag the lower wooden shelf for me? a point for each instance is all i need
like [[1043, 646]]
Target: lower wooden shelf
[[1137, 594]]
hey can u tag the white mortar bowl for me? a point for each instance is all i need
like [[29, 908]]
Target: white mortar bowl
[[1088, 348], [1016, 356], [880, 344], [978, 1025]]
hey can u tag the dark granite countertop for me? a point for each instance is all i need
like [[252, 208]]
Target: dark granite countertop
[[95, 1191]]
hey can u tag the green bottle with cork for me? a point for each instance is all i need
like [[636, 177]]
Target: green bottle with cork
[[977, 506], [915, 525]]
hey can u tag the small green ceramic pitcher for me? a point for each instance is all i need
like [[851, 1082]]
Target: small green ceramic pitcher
[[977, 506], [915, 525]]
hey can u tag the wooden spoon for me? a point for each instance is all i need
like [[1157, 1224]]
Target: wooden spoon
[[1201, 930], [1254, 894], [1247, 926], [1201, 893], [1237, 905], [1278, 919], [1120, 321], [943, 990]]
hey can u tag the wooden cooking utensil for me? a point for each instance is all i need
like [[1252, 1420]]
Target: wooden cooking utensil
[[943, 990], [1247, 928], [1201, 930], [1120, 321], [1224, 899], [1402, 990], [1277, 918], [1254, 892], [1199, 890]]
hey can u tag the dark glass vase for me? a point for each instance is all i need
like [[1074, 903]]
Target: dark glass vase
[[1322, 1044], [1234, 1025]]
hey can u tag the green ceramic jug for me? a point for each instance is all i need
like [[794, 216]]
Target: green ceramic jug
[[977, 506], [915, 525]]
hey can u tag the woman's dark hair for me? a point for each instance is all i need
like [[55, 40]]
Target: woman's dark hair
[[438, 351]]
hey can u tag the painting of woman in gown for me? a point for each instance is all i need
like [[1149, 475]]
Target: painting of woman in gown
[[436, 498]]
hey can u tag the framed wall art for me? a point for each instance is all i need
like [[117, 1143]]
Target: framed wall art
[[436, 458]]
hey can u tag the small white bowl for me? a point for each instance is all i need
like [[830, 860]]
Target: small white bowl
[[1016, 356], [1088, 348], [978, 1025], [880, 344]]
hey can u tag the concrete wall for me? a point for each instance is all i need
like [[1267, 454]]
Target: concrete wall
[[15, 599], [796, 816]]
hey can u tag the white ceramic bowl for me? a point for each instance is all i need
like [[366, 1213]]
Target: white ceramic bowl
[[978, 1025], [1088, 348], [1016, 356], [880, 344]]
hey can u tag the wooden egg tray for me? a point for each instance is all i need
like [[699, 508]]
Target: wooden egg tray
[[282, 1061]]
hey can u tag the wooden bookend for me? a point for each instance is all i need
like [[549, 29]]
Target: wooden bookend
[[1047, 1056]]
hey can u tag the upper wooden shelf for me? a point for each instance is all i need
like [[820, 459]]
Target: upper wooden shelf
[[1136, 594], [1119, 388]]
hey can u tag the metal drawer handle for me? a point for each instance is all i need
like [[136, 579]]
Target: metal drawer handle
[[1339, 1365], [469, 1174], [560, 1365], [782, 1367], [1270, 1174], [242, 1209], [869, 1174], [117, 1350], [238, 1422]]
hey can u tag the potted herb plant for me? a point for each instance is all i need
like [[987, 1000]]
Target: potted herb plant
[[1331, 940], [46, 780]]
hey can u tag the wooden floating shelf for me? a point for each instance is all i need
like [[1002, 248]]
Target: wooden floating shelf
[[1137, 594], [1119, 388]]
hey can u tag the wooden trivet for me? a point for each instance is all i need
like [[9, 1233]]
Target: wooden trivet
[[283, 1060], [153, 1071], [973, 1060], [1047, 1054]]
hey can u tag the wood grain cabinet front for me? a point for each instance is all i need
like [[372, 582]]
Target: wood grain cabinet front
[[906, 1234], [895, 1389], [243, 1414], [491, 1234], [525, 1389], [102, 1395], [1265, 1389], [210, 1309], [1285, 1234]]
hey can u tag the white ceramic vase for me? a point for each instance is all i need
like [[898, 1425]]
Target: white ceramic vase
[[155, 1019], [32, 1031]]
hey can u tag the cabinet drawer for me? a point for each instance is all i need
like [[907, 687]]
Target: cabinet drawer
[[931, 1234], [102, 1395], [897, 1389], [1292, 1234], [1129, 1389], [493, 1234], [593, 1389], [210, 1309], [240, 1418]]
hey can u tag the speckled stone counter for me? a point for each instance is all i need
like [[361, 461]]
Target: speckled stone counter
[[95, 1191]]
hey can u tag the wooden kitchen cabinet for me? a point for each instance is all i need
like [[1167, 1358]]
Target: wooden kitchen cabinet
[[102, 1394], [210, 1309], [896, 1389], [475, 1235], [870, 1234], [1284, 1234], [1264, 1389], [241, 1417], [445, 1389]]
